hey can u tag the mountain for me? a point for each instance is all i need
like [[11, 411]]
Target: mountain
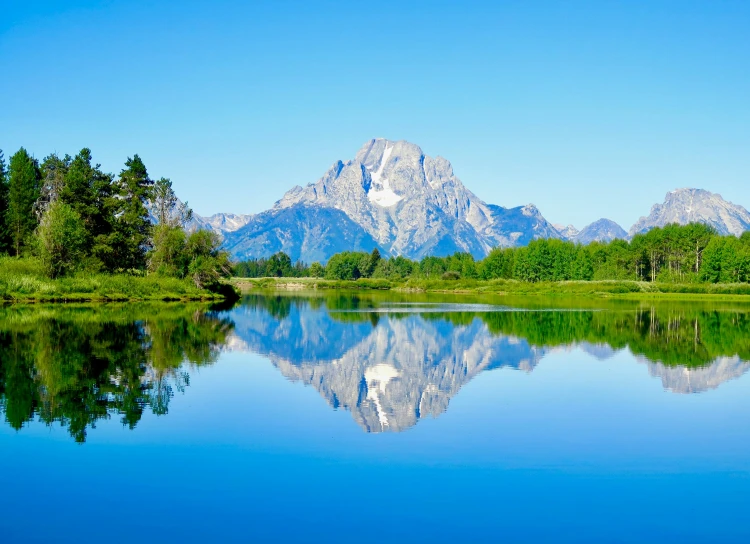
[[223, 222], [568, 232], [307, 233], [391, 196], [685, 206], [603, 230]]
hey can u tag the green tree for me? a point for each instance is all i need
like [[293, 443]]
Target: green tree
[[166, 207], [133, 227], [279, 265], [167, 256], [317, 270], [5, 239], [207, 263], [54, 171], [61, 238], [345, 265], [23, 192]]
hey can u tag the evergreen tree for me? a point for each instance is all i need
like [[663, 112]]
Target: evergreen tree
[[54, 170], [23, 192], [5, 242], [133, 228], [93, 196]]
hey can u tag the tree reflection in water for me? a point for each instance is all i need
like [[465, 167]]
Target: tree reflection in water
[[79, 365]]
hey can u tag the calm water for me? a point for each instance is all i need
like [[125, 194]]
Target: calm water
[[375, 419]]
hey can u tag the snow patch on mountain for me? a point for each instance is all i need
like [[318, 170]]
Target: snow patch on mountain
[[380, 191]]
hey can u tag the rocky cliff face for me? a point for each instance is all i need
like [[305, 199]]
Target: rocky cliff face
[[685, 206], [394, 197]]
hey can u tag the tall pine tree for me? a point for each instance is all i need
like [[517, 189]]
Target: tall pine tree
[[5, 244], [24, 184], [133, 227], [91, 194]]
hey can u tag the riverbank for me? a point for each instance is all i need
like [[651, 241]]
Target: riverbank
[[606, 289], [21, 281]]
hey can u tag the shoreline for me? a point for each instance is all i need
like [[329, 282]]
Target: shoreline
[[608, 289]]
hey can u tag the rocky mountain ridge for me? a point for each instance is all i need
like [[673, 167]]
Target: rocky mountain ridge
[[404, 201], [393, 197], [685, 206]]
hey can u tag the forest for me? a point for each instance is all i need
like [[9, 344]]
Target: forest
[[692, 253], [65, 217]]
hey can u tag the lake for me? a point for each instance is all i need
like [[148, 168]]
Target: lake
[[340, 417]]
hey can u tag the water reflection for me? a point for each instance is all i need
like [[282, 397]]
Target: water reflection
[[78, 365], [392, 364], [388, 362]]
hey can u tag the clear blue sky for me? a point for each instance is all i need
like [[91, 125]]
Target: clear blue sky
[[586, 109]]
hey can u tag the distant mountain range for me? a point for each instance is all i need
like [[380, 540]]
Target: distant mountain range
[[393, 197]]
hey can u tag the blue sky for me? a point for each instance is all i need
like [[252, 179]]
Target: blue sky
[[586, 109]]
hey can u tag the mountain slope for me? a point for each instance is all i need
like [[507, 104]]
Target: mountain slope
[[309, 233], [395, 198], [685, 206], [603, 230]]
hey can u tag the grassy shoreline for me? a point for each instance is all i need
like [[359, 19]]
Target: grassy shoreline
[[21, 281], [595, 289], [109, 289]]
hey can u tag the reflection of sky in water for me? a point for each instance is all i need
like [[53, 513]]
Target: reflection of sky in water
[[586, 448], [441, 307]]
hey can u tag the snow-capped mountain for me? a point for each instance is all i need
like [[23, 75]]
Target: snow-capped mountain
[[685, 206], [391, 196]]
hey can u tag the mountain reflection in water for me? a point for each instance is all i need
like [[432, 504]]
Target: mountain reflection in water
[[388, 362], [392, 364]]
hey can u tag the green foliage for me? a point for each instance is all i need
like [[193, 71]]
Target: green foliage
[[57, 364], [5, 238], [61, 239], [166, 206], [674, 254], [317, 270], [167, 256], [26, 279], [348, 265], [207, 264], [133, 227], [24, 183]]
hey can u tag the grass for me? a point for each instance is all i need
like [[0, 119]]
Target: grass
[[608, 289], [22, 280]]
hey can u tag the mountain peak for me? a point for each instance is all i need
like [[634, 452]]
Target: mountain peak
[[404, 202], [601, 230], [688, 205]]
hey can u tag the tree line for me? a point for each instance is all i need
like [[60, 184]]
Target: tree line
[[690, 253], [74, 217]]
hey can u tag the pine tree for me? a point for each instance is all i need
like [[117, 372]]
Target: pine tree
[[54, 171], [133, 228], [23, 191], [5, 243]]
